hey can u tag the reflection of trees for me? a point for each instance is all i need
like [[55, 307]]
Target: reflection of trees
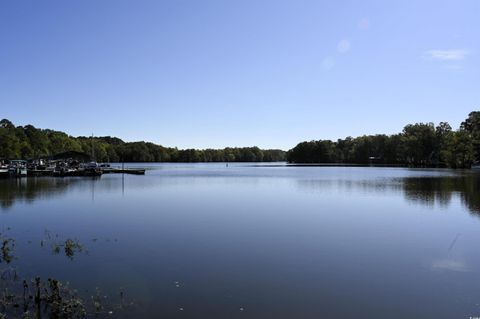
[[28, 189], [430, 190], [426, 190]]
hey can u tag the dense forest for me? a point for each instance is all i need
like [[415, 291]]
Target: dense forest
[[418, 145], [29, 142]]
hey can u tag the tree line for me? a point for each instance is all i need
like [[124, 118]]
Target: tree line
[[418, 145], [29, 142]]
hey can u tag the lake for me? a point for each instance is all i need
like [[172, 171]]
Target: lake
[[256, 241]]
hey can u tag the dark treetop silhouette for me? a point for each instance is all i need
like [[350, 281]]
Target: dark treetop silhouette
[[420, 144]]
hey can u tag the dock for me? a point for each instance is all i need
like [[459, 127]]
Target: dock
[[57, 167], [113, 170], [78, 172], [81, 172], [39, 172]]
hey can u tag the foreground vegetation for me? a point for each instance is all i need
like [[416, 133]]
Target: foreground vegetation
[[419, 145], [38, 298], [29, 142]]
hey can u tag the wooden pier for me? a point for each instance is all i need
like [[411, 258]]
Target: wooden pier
[[113, 170], [62, 168], [81, 172]]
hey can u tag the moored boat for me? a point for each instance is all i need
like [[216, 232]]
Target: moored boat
[[4, 172], [91, 169], [17, 168]]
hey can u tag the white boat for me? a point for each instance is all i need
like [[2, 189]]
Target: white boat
[[91, 169], [17, 168], [17, 171]]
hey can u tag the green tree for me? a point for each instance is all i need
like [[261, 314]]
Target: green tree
[[9, 144], [419, 141], [38, 141], [443, 134], [472, 126], [322, 151], [459, 151]]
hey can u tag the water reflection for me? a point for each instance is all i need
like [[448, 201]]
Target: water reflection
[[428, 189], [441, 190], [425, 190], [275, 242], [29, 189]]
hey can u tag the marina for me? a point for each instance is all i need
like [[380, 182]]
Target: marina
[[70, 167]]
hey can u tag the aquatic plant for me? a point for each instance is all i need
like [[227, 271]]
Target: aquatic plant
[[37, 298], [6, 249], [70, 246], [9, 274]]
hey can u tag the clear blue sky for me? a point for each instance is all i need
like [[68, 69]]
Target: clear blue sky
[[237, 73]]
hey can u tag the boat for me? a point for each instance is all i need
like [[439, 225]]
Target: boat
[[17, 168], [4, 172], [91, 169], [64, 171]]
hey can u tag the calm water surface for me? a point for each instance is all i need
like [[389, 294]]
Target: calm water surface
[[246, 241]]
